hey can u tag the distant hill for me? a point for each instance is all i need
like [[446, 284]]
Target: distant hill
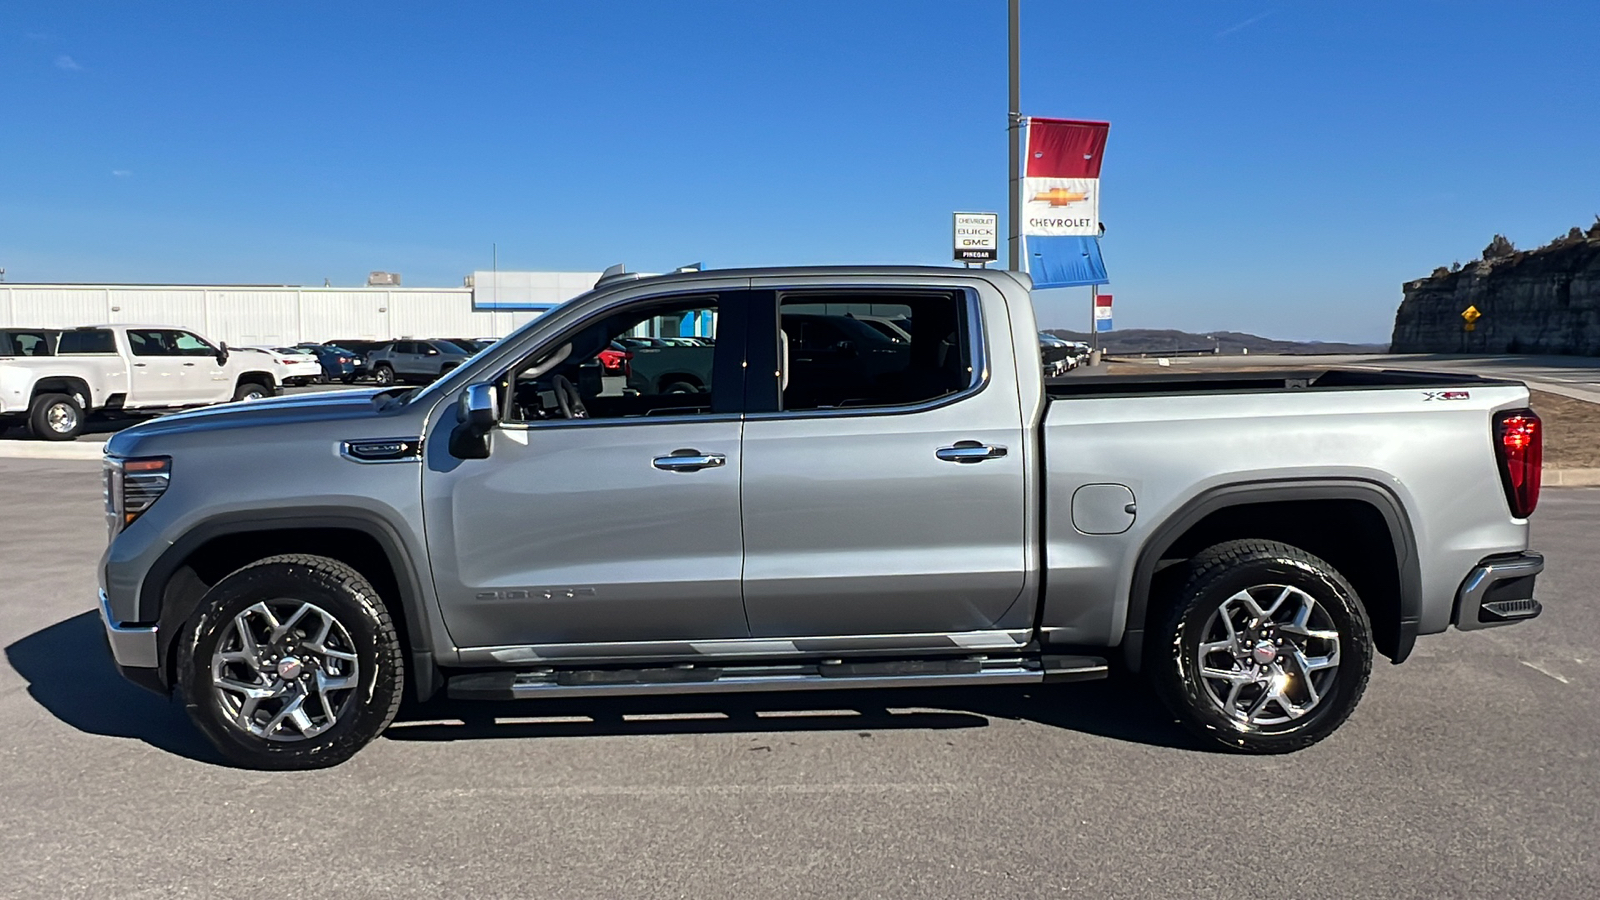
[[1166, 340]]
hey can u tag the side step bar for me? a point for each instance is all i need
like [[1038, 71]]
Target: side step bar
[[828, 674]]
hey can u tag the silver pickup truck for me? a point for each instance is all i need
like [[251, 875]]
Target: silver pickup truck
[[835, 507]]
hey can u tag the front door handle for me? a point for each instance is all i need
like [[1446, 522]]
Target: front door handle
[[191, 365], [689, 461], [970, 452]]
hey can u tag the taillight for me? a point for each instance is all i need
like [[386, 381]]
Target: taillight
[[1519, 443]]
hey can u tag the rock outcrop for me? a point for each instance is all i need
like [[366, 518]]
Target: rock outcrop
[[1532, 301]]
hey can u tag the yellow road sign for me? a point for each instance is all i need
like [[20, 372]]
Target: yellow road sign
[[1472, 315]]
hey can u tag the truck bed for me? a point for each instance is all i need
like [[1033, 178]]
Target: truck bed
[[1258, 381]]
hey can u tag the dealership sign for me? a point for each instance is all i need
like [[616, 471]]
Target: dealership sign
[[977, 237]]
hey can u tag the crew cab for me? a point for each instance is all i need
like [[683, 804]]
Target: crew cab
[[119, 367], [826, 511]]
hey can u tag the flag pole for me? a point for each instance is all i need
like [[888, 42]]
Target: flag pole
[[1094, 324], [1013, 121]]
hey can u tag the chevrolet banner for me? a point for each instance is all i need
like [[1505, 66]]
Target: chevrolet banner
[[1061, 202]]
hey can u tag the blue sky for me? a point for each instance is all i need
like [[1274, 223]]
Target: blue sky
[[1273, 167]]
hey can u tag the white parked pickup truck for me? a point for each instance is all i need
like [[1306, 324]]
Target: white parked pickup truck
[[123, 367]]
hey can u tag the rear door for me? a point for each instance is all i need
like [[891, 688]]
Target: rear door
[[884, 489]]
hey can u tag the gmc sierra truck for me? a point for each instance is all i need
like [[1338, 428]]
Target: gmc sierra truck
[[112, 368], [817, 515]]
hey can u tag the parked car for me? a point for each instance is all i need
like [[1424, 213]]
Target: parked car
[[295, 365], [361, 349], [124, 367], [338, 363], [1247, 542], [413, 361], [1059, 356], [470, 345]]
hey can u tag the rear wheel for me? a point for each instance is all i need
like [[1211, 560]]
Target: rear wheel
[[291, 663], [55, 417], [383, 375], [1267, 648]]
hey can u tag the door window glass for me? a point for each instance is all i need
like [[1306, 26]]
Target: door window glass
[[655, 359], [866, 349], [86, 341], [187, 344], [149, 343]]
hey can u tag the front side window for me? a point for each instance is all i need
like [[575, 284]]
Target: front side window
[[186, 344], [873, 349], [655, 359]]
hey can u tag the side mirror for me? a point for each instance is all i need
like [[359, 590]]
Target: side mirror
[[222, 353], [478, 412], [845, 349]]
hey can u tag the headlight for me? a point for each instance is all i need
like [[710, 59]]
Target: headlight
[[133, 486]]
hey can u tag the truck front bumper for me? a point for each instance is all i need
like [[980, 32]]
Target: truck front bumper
[[134, 648], [1499, 592]]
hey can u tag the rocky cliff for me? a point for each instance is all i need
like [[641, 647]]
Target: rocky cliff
[[1535, 301]]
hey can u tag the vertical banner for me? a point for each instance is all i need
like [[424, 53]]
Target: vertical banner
[[1102, 313], [1061, 202]]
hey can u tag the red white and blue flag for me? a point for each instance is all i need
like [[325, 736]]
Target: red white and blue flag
[[1061, 202]]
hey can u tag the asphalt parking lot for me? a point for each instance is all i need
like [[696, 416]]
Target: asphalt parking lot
[[1470, 771]]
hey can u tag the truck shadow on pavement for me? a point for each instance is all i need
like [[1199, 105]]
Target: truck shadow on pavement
[[1120, 709], [70, 673]]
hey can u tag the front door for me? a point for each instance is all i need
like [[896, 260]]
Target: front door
[[157, 371], [884, 490], [605, 513]]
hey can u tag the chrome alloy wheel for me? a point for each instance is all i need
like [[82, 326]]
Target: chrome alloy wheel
[[61, 417], [285, 671], [1268, 655]]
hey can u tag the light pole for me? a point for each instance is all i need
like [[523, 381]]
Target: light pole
[[1014, 130]]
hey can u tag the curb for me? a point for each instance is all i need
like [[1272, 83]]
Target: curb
[[84, 450], [1571, 478]]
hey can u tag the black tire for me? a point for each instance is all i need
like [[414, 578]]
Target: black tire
[[383, 375], [347, 379], [1267, 569], [331, 586], [251, 390], [681, 387], [55, 417]]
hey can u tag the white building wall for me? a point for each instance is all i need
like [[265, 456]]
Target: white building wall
[[245, 315]]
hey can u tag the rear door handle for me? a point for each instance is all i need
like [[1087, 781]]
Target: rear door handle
[[190, 365], [689, 461], [970, 452]]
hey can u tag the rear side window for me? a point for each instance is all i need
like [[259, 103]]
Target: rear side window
[[85, 341], [873, 349], [25, 343]]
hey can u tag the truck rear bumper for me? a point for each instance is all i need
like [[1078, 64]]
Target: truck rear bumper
[[134, 648], [1499, 592]]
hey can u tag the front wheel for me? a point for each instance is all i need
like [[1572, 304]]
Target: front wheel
[[251, 390], [1267, 648], [291, 663]]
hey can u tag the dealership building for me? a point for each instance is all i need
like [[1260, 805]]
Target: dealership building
[[489, 304]]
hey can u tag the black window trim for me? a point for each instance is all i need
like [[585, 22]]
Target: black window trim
[[764, 321]]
